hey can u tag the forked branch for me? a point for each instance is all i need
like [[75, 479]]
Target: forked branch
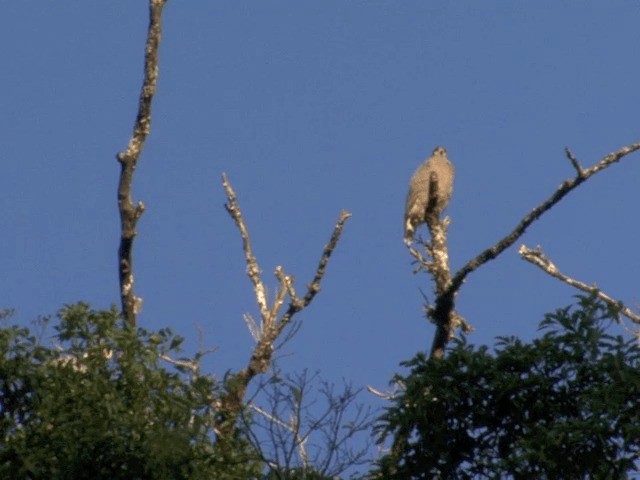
[[273, 323]]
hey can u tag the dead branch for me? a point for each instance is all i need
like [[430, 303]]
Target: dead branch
[[253, 270], [130, 213], [292, 427], [538, 258], [193, 365], [445, 302], [574, 162], [439, 269], [273, 323], [296, 304], [445, 326]]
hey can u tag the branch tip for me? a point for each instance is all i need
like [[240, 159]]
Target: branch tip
[[574, 162], [538, 258]]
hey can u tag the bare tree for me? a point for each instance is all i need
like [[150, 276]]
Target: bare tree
[[442, 312], [301, 425]]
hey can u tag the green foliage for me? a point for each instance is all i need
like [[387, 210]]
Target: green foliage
[[102, 403], [563, 406]]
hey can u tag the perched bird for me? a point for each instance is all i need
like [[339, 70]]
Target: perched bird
[[418, 206]]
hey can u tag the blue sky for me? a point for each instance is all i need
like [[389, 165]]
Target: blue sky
[[310, 108]]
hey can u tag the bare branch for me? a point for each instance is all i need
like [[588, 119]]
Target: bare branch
[[439, 269], [307, 433], [271, 326], [296, 304], [574, 162], [254, 329], [423, 263], [566, 187], [538, 258], [130, 213], [288, 334], [445, 302], [286, 287], [398, 386], [253, 270], [292, 427]]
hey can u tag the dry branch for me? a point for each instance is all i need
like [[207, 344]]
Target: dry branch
[[574, 162], [538, 258], [253, 270], [444, 313], [439, 269], [130, 213], [272, 324]]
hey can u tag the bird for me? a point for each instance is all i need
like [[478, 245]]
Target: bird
[[417, 208]]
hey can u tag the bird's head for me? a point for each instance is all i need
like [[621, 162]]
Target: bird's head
[[440, 151]]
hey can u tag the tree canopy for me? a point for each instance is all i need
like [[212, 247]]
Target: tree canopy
[[562, 406], [99, 401]]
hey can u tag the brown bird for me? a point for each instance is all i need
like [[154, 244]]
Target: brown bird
[[417, 207]]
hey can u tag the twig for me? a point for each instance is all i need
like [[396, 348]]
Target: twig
[[574, 162], [538, 258], [423, 263], [130, 213], [445, 302], [391, 394], [304, 431], [294, 429], [193, 365]]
